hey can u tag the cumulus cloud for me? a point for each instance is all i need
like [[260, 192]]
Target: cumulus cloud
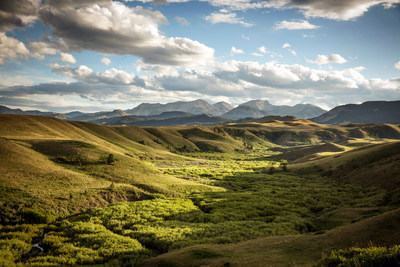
[[294, 25], [17, 13], [11, 48], [68, 58], [223, 17], [230, 79], [39, 49], [286, 45], [324, 59], [96, 26], [86, 74], [182, 21], [235, 50], [335, 9], [262, 49], [106, 61], [329, 9], [397, 65]]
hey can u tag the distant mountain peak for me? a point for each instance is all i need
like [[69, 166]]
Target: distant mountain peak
[[299, 111]]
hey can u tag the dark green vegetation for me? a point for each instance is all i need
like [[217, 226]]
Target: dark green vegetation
[[372, 256], [81, 193]]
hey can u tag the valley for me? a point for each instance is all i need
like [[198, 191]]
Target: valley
[[274, 191]]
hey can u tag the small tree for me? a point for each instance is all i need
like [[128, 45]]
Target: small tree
[[110, 160], [284, 164], [271, 170]]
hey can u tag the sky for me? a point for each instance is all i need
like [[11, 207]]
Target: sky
[[65, 55]]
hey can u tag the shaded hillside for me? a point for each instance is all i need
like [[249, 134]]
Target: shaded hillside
[[244, 112], [177, 119], [6, 110], [367, 112], [375, 165]]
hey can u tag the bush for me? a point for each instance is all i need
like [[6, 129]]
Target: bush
[[373, 256], [110, 160]]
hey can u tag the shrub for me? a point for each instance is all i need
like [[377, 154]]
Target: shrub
[[110, 160], [373, 256]]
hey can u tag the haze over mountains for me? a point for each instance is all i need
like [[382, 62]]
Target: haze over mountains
[[200, 112]]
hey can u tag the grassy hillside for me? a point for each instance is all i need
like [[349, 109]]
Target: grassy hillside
[[375, 165], [200, 194], [292, 250], [52, 167]]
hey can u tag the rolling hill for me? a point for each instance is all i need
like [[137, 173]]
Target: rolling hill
[[172, 118], [367, 112]]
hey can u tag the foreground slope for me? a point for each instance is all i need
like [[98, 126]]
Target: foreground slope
[[297, 250]]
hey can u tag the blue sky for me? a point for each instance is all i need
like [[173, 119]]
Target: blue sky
[[102, 55]]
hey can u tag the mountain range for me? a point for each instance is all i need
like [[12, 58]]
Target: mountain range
[[200, 112], [195, 107]]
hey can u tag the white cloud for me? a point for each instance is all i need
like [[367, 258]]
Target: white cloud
[[226, 4], [295, 25], [245, 37], [231, 79], [106, 61], [397, 65], [330, 9], [86, 74], [235, 50], [157, 70], [68, 58], [11, 48], [324, 59], [257, 54], [182, 21], [231, 18], [287, 45], [337, 9], [40, 49], [113, 28], [262, 49]]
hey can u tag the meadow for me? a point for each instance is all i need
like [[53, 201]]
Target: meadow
[[211, 195]]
